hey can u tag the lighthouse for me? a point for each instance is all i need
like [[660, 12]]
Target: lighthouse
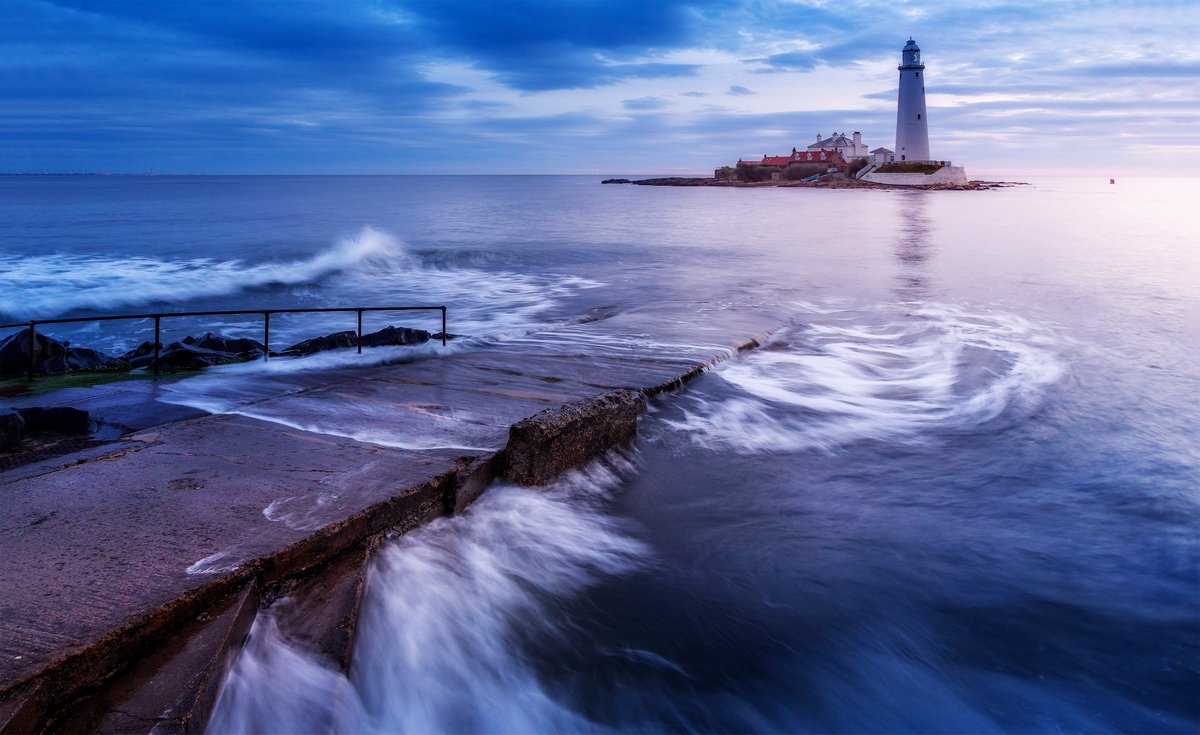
[[912, 127]]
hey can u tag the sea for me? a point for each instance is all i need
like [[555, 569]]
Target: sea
[[957, 490]]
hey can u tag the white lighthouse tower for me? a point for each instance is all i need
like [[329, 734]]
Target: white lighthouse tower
[[912, 127]]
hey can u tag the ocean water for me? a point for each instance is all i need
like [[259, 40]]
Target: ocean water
[[957, 491]]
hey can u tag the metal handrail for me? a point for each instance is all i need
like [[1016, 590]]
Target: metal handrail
[[158, 317]]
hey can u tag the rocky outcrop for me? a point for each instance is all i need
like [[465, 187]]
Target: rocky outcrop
[[395, 336], [190, 353], [335, 341], [683, 181], [242, 347], [342, 340], [49, 356], [831, 181]]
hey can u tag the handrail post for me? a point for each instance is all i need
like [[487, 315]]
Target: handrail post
[[32, 345], [266, 336], [360, 331], [443, 326], [157, 340]]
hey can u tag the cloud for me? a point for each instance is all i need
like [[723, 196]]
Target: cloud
[[407, 85], [534, 45], [645, 103], [789, 61]]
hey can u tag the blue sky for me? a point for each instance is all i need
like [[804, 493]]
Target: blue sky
[[587, 86]]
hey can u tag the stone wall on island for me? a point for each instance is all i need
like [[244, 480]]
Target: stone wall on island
[[944, 175]]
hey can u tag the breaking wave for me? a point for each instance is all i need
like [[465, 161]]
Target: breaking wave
[[444, 619], [44, 286], [885, 375]]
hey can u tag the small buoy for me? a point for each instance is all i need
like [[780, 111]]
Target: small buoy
[[1112, 181]]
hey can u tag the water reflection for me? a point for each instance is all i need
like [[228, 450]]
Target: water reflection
[[913, 247]]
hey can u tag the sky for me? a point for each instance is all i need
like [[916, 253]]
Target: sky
[[587, 86]]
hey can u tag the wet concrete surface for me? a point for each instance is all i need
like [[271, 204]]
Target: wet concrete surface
[[109, 551]]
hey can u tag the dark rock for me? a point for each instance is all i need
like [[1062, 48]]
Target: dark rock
[[349, 339], [12, 429], [395, 336], [49, 355], [543, 446], [244, 348], [335, 341], [180, 356], [615, 181], [59, 420], [675, 181], [145, 348], [191, 353]]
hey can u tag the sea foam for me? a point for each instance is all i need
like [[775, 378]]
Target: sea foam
[[886, 375], [44, 286]]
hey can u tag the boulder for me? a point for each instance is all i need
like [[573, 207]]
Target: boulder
[[59, 420], [335, 341], [49, 356], [180, 356], [12, 429], [395, 336], [192, 353], [242, 347], [343, 340], [145, 348]]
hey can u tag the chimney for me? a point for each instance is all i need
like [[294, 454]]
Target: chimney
[[857, 138]]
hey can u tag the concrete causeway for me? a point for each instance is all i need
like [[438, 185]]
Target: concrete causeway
[[110, 557]]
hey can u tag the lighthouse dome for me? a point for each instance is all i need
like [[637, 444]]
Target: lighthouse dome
[[910, 57]]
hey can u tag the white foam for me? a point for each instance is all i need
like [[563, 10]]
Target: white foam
[[217, 563], [439, 640], [43, 286], [887, 375]]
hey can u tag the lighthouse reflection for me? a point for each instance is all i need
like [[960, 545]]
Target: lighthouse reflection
[[913, 249]]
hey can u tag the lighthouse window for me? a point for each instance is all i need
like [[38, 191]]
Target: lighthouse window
[[917, 74], [918, 116]]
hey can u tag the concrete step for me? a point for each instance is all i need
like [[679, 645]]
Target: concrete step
[[173, 688]]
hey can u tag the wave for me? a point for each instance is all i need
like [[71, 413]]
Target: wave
[[44, 286], [441, 632], [884, 375]]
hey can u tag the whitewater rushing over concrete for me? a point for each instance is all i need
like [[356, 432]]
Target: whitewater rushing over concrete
[[449, 609]]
